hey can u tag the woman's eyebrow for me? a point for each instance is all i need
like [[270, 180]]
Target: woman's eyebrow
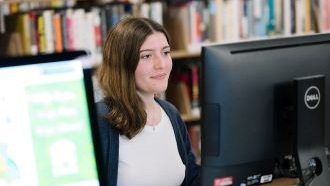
[[167, 47], [148, 50]]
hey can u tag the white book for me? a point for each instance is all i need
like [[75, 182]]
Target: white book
[[49, 30], [90, 33], [236, 19], [145, 10], [257, 9], [93, 44], [156, 12], [79, 25], [300, 16], [232, 21], [219, 20], [287, 17], [278, 16]]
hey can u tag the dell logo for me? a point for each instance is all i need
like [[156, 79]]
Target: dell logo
[[312, 97]]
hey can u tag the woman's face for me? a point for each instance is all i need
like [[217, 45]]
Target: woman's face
[[154, 66]]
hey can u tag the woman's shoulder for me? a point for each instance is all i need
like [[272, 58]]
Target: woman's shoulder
[[170, 110], [101, 110], [105, 128], [101, 107]]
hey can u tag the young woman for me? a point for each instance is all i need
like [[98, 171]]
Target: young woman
[[143, 138]]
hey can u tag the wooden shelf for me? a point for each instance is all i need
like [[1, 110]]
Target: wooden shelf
[[283, 182], [190, 118], [181, 54]]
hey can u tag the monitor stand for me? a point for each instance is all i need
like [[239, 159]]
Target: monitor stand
[[301, 123]]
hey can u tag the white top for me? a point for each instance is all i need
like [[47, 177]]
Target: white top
[[151, 157]]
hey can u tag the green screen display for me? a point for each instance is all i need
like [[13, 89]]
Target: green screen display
[[53, 145]]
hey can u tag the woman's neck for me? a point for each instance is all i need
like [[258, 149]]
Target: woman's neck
[[147, 99], [152, 108], [153, 112]]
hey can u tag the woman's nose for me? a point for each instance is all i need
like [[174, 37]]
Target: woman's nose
[[160, 62]]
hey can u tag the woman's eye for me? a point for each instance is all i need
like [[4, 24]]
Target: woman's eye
[[167, 52], [146, 56]]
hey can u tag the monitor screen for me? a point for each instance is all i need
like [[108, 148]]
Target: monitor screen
[[239, 132], [46, 135]]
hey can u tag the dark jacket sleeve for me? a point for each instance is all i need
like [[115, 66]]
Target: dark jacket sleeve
[[109, 144], [193, 174]]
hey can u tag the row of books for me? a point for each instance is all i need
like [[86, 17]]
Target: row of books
[[50, 31], [55, 30], [231, 20], [14, 6], [258, 18], [190, 24]]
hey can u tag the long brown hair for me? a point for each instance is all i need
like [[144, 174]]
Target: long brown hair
[[116, 73]]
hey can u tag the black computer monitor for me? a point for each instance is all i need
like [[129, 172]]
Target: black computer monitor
[[240, 124], [47, 121]]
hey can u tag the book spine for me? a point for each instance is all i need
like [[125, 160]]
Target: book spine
[[41, 34], [69, 40], [34, 32], [26, 34], [195, 90], [58, 36], [49, 31]]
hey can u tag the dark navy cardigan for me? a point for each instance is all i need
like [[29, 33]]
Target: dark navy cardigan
[[109, 144]]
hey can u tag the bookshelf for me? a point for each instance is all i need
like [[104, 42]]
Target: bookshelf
[[209, 21]]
